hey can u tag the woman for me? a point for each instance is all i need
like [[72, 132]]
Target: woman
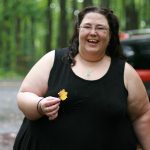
[[85, 97]]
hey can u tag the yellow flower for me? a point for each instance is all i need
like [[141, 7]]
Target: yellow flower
[[63, 94]]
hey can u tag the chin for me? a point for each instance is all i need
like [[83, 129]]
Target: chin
[[92, 49]]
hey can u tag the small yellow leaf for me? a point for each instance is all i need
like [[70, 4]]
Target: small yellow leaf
[[63, 94]]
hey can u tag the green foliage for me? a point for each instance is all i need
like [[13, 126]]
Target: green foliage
[[24, 26], [7, 74]]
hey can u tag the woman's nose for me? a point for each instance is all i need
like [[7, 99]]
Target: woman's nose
[[93, 31]]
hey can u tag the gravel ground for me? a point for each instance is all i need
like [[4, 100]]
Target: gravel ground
[[10, 116]]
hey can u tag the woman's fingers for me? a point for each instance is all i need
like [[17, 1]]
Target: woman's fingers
[[51, 101], [52, 112], [53, 117], [50, 107]]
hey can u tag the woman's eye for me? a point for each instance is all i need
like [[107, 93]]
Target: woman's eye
[[87, 27], [100, 28]]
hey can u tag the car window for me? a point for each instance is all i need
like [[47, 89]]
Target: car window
[[137, 53]]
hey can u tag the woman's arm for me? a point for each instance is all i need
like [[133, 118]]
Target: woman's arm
[[138, 106], [34, 86]]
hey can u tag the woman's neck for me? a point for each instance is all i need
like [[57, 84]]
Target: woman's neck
[[91, 58]]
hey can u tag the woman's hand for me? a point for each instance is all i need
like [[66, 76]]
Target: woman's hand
[[49, 106]]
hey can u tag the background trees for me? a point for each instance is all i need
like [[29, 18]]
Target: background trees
[[29, 29]]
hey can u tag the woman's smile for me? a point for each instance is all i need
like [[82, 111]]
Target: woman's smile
[[93, 41], [93, 34]]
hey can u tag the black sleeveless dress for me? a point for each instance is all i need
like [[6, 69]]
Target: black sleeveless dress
[[94, 116]]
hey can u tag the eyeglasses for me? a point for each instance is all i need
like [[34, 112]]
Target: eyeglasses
[[98, 29]]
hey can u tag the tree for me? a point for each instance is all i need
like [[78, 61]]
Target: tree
[[63, 25], [105, 3], [5, 48], [74, 8], [48, 26], [132, 21], [87, 3]]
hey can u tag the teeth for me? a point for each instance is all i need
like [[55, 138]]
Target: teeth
[[94, 41]]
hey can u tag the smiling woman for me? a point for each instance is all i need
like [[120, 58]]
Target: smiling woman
[[88, 97], [93, 36]]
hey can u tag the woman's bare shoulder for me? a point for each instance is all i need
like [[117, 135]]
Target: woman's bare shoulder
[[138, 100], [36, 80]]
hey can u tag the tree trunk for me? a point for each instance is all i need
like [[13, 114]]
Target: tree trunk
[[5, 55], [48, 27], [131, 16], [146, 13], [17, 52], [74, 8], [63, 25], [33, 30], [104, 3], [87, 3]]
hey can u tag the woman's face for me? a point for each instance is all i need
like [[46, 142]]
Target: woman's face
[[94, 34]]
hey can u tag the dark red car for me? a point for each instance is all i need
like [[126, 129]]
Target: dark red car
[[136, 47]]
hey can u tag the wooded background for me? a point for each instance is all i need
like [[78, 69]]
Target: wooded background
[[31, 28]]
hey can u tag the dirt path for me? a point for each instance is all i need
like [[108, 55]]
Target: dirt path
[[10, 116]]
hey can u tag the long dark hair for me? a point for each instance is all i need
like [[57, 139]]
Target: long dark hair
[[114, 46]]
